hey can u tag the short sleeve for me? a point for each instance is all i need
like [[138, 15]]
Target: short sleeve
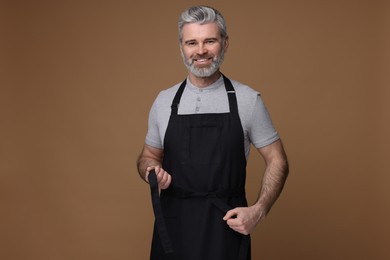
[[153, 137], [261, 131]]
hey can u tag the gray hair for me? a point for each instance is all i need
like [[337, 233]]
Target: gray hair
[[202, 14]]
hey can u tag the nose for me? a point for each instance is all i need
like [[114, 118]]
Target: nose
[[201, 49]]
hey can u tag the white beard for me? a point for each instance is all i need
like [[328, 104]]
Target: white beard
[[206, 71]]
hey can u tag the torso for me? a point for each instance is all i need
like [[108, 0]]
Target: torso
[[212, 99], [205, 155]]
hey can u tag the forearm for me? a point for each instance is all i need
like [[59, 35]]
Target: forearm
[[246, 218], [143, 163], [150, 157], [274, 178]]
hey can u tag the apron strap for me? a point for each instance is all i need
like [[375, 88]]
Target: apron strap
[[176, 100], [214, 198], [245, 239], [158, 214], [233, 107]]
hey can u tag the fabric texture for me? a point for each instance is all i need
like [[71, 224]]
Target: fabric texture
[[205, 155], [256, 122]]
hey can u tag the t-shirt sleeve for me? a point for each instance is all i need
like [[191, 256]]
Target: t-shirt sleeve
[[261, 131], [153, 137]]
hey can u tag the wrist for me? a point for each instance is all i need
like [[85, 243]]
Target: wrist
[[260, 210]]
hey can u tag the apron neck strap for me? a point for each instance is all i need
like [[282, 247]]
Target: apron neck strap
[[176, 100], [231, 96]]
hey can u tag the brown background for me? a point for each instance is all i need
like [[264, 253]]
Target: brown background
[[78, 79]]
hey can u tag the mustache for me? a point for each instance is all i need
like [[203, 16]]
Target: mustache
[[199, 57]]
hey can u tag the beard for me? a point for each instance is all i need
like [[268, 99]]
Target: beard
[[204, 72]]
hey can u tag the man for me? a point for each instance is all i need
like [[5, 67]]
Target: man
[[198, 143]]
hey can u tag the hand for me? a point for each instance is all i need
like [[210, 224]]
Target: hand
[[163, 178], [243, 219]]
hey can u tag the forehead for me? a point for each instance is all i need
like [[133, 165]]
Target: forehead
[[200, 31]]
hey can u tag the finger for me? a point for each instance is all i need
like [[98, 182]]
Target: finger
[[237, 229], [234, 222], [148, 169], [160, 173], [146, 176], [168, 182], [231, 214], [241, 231], [164, 178], [237, 225], [147, 172], [157, 169]]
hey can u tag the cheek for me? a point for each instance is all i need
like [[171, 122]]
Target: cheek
[[187, 54], [216, 51]]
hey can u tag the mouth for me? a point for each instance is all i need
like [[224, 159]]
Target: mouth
[[201, 61]]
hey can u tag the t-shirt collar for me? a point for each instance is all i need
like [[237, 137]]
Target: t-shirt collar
[[217, 84]]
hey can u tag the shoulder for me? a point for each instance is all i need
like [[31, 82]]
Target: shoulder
[[169, 92], [243, 89], [165, 97], [245, 94]]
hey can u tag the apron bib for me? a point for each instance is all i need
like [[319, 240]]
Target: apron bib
[[205, 155]]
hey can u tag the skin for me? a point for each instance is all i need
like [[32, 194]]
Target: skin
[[245, 219], [201, 44]]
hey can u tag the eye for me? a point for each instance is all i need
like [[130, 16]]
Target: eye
[[210, 41], [190, 43]]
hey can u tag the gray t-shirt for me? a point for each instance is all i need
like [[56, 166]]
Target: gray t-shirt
[[255, 120]]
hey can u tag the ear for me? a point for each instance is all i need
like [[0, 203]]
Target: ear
[[226, 43]]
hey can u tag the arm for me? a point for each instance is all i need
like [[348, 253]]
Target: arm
[[275, 175], [151, 158]]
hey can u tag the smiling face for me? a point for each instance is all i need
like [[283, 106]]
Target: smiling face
[[202, 49]]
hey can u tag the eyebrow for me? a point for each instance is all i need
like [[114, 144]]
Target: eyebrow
[[207, 39], [188, 41]]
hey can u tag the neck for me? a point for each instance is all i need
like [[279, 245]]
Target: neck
[[204, 82]]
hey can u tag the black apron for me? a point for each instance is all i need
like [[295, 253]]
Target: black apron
[[205, 155]]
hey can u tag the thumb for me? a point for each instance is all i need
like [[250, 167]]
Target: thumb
[[230, 214], [147, 176], [147, 173]]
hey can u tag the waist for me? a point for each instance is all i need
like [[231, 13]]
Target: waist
[[180, 192]]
